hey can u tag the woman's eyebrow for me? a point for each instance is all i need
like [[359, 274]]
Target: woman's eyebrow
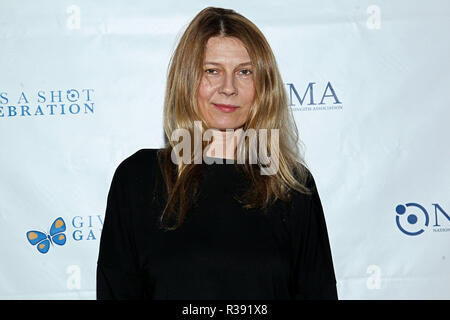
[[219, 64]]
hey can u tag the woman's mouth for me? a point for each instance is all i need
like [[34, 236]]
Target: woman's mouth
[[227, 108]]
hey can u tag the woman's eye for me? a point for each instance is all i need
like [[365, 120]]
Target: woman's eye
[[246, 72]]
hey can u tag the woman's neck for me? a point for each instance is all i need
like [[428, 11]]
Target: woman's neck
[[224, 143]]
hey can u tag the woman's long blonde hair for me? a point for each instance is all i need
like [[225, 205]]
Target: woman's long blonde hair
[[269, 111]]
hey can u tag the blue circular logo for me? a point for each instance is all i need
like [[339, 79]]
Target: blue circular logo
[[411, 223]]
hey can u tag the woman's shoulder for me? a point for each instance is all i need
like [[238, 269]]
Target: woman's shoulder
[[302, 173], [139, 164], [141, 157], [303, 204]]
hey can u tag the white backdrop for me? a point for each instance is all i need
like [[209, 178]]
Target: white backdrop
[[82, 86]]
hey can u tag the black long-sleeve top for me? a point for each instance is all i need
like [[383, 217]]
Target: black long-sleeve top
[[221, 251]]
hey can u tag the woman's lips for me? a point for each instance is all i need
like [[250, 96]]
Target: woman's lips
[[226, 107]]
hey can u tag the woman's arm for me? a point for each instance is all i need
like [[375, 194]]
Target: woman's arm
[[314, 271], [118, 276]]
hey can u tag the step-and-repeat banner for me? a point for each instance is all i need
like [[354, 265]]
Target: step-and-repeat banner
[[82, 85]]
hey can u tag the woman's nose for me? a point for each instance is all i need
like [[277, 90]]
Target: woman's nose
[[228, 86]]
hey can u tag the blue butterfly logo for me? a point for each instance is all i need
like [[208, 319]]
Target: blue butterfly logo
[[43, 240]]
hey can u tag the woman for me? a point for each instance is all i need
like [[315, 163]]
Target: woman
[[177, 230]]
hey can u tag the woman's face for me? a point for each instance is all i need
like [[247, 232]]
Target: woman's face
[[227, 89]]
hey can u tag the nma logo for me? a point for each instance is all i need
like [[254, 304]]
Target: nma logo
[[413, 219], [309, 97]]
